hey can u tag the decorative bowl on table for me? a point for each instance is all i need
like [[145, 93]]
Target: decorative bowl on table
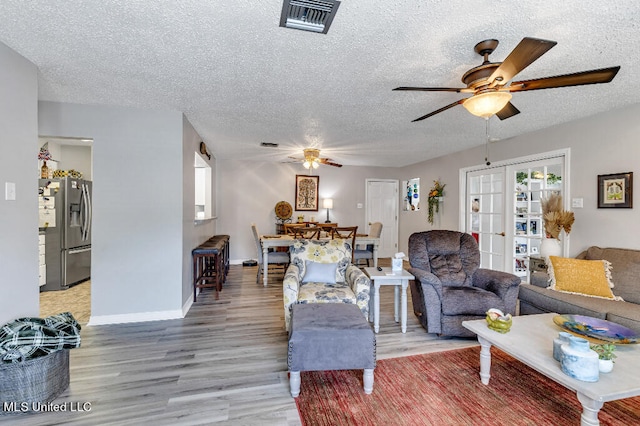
[[498, 321], [596, 329]]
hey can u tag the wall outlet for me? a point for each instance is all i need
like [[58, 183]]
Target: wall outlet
[[577, 203], [359, 205]]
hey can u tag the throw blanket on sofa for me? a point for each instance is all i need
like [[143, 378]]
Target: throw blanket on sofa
[[27, 338]]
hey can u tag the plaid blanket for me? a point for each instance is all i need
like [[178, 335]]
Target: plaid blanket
[[27, 338]]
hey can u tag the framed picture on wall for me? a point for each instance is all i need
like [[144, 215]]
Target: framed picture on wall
[[307, 193], [615, 190]]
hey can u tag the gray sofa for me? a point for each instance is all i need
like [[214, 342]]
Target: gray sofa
[[535, 298]]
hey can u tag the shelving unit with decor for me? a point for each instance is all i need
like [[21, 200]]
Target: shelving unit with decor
[[531, 185]]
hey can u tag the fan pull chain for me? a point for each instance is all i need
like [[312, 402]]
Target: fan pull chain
[[486, 145]]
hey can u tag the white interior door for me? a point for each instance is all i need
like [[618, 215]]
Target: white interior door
[[382, 206], [484, 217]]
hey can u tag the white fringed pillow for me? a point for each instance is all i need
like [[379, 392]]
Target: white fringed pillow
[[585, 277]]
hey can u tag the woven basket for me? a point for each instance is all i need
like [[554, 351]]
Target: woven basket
[[36, 380]]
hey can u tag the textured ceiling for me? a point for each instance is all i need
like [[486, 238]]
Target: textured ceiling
[[241, 79]]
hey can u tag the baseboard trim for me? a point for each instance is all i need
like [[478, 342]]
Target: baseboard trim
[[187, 305], [135, 317]]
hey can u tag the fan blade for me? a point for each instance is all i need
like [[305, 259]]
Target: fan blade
[[328, 162], [603, 75], [509, 110], [439, 110], [436, 89], [524, 54]]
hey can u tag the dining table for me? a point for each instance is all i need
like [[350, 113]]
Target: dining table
[[273, 241]]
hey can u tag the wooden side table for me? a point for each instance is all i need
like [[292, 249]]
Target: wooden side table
[[399, 279]]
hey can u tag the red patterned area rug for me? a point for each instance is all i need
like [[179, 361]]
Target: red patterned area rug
[[444, 389]]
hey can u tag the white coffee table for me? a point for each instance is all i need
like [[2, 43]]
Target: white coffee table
[[531, 342], [399, 279]]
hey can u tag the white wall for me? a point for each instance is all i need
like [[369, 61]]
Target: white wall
[[18, 219], [248, 192], [192, 235], [601, 144], [137, 257], [77, 158]]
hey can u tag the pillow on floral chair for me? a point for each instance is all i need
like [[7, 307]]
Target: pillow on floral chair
[[349, 285]]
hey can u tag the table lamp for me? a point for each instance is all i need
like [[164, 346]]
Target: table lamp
[[327, 203]]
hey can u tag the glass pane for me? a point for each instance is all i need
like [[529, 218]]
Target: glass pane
[[498, 243], [485, 261], [497, 223], [535, 226], [485, 223], [537, 174], [497, 205], [474, 185], [485, 243], [554, 176], [522, 179]]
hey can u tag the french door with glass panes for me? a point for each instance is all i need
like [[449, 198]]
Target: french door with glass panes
[[485, 215], [502, 208]]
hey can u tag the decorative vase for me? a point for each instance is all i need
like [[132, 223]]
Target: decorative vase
[[579, 361], [605, 365], [563, 337], [44, 171], [550, 247]]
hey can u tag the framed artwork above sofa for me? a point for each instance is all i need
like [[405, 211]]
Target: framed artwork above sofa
[[615, 190]]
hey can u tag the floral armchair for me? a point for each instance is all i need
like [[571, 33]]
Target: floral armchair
[[321, 272]]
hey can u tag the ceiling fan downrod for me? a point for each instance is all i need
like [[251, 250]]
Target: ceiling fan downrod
[[486, 145]]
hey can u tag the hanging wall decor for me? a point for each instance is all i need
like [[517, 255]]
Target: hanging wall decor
[[307, 193], [615, 190], [412, 194], [436, 194]]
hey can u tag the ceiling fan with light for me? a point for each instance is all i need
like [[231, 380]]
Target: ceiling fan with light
[[489, 82], [312, 159]]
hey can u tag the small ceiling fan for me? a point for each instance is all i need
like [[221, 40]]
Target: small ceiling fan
[[312, 159], [489, 82]]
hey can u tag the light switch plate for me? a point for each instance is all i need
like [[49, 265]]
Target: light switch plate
[[9, 191], [577, 203]]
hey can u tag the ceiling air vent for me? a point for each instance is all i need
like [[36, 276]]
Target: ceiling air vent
[[309, 15]]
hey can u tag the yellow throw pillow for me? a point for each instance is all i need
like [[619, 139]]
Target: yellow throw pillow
[[586, 277]]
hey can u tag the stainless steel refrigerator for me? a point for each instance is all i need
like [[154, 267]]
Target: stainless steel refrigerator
[[65, 221]]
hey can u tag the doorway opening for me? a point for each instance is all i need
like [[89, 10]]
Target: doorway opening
[[65, 196]]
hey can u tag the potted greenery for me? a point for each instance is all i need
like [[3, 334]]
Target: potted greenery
[[435, 197], [606, 356]]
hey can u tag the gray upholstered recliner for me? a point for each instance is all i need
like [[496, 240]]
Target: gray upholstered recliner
[[450, 287]]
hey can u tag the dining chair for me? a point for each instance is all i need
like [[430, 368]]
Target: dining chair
[[375, 230], [346, 233], [277, 258], [290, 228]]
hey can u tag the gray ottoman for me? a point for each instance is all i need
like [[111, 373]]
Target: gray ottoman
[[330, 336]]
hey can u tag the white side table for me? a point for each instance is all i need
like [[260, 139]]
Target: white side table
[[399, 279]]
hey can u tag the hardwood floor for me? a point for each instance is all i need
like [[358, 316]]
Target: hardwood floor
[[225, 363]]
